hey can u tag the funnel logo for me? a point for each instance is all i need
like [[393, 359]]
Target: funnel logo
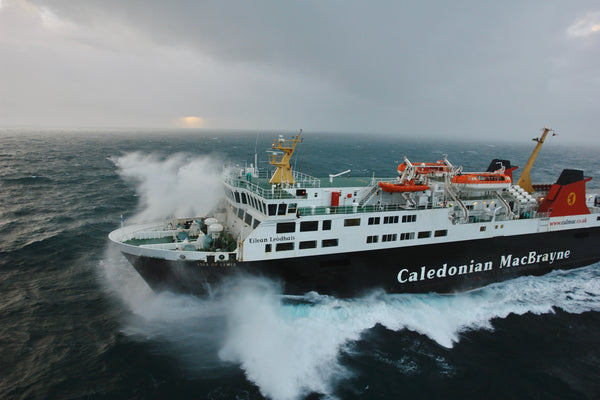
[[571, 198]]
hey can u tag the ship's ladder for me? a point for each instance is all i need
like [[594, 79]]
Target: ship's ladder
[[509, 213], [368, 194], [454, 196]]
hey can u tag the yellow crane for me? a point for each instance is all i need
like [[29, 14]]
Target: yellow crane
[[525, 178]]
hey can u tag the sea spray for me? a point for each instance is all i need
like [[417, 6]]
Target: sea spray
[[178, 186]]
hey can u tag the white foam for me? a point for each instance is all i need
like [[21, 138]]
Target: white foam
[[178, 186], [290, 347]]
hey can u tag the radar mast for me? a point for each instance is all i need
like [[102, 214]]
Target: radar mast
[[283, 174]]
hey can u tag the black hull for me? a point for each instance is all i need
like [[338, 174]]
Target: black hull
[[442, 268]]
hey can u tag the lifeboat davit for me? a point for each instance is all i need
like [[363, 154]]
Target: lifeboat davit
[[482, 181], [409, 186]]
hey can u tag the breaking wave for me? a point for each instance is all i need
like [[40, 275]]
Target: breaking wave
[[177, 186]]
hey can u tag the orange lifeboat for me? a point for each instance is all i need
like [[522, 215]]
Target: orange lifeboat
[[482, 181], [408, 186], [424, 168]]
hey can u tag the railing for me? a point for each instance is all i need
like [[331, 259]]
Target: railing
[[273, 193], [234, 176], [304, 211]]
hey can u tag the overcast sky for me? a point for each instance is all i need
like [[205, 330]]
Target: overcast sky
[[425, 68]]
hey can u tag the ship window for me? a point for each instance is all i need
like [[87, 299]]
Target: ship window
[[307, 226], [268, 248], [281, 209], [374, 220], [286, 227], [443, 232], [310, 244], [389, 238], [264, 207], [237, 197], [248, 219], [240, 213], [327, 225], [407, 236], [409, 218], [284, 246], [329, 243], [272, 209], [372, 239], [482, 229], [424, 235], [301, 193], [352, 222], [244, 199], [256, 223], [392, 219], [292, 208]]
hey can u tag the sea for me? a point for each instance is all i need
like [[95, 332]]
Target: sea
[[77, 322]]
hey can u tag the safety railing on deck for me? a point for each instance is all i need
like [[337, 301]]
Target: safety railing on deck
[[258, 182]]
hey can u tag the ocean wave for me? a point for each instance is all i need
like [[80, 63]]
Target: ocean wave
[[290, 346]]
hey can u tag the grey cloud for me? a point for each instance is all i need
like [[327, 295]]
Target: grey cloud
[[378, 66]]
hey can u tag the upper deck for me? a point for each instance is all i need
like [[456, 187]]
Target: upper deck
[[257, 182]]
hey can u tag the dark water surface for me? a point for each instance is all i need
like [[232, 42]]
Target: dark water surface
[[77, 322]]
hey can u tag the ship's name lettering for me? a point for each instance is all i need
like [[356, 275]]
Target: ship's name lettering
[[430, 273], [506, 261], [272, 239]]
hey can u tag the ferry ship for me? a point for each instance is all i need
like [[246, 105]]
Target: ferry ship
[[431, 228]]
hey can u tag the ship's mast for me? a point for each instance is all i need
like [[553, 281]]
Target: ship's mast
[[283, 173], [525, 178]]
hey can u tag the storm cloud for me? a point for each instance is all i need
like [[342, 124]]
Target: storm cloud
[[459, 69]]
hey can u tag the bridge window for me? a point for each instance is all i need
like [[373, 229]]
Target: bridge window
[[281, 209]]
